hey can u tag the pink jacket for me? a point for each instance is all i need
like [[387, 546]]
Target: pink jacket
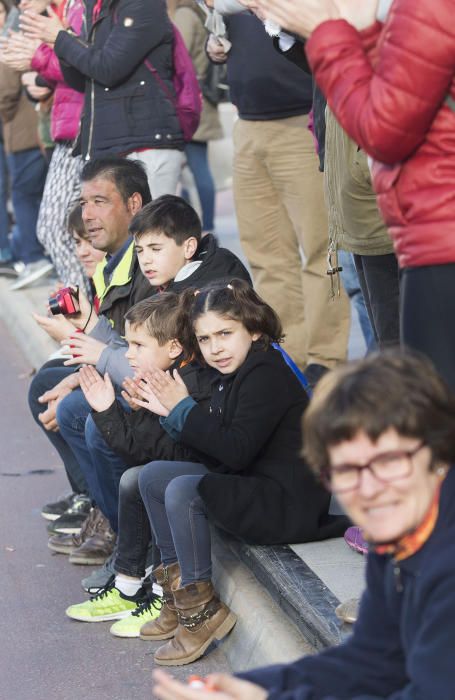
[[67, 105]]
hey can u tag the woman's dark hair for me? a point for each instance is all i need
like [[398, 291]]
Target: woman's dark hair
[[236, 300], [75, 222], [393, 389], [169, 215], [129, 176]]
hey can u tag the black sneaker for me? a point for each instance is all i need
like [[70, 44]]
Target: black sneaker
[[52, 511], [70, 522]]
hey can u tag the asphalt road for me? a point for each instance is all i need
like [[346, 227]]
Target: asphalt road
[[43, 654]]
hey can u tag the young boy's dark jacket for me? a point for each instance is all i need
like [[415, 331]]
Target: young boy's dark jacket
[[258, 487], [217, 264], [138, 437]]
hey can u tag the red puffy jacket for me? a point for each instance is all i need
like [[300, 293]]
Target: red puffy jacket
[[394, 106]]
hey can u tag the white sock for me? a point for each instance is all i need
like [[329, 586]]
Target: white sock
[[156, 587], [126, 585]]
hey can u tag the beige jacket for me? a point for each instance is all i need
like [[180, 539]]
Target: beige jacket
[[18, 115], [190, 22], [355, 224]]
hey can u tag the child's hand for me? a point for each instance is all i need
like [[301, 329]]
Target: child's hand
[[86, 350], [168, 390], [130, 392], [148, 398], [58, 327], [98, 391]]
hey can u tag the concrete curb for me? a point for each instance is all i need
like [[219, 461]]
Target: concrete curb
[[16, 312]]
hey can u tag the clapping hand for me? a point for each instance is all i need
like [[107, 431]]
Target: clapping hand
[[130, 391], [303, 16], [98, 390], [18, 51], [168, 389], [40, 27], [147, 397]]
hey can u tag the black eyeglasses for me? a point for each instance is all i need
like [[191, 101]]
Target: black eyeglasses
[[386, 467]]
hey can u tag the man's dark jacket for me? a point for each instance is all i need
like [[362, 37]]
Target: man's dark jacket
[[125, 107]]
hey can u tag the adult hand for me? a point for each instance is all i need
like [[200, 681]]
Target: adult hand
[[18, 51], [220, 687], [130, 392], [53, 398], [299, 16], [216, 49], [169, 390], [86, 350], [148, 398], [37, 6], [87, 318], [40, 27], [360, 13], [36, 92], [58, 327], [98, 390]]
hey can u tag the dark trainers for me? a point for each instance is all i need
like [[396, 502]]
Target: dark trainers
[[65, 544], [96, 548], [52, 511], [71, 521], [100, 578]]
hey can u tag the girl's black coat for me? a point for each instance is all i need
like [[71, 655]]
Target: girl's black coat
[[259, 488]]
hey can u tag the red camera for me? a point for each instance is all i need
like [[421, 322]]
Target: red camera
[[65, 301]]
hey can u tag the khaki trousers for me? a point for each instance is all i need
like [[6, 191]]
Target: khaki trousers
[[280, 208]]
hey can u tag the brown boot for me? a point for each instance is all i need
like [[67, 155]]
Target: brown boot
[[165, 625], [202, 619], [96, 548]]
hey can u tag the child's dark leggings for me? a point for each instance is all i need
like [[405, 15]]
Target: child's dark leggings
[[177, 516]]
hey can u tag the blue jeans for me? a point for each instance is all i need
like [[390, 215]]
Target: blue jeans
[[28, 174], [4, 222], [135, 545], [177, 516], [351, 284], [46, 378], [101, 467], [197, 157], [379, 279]]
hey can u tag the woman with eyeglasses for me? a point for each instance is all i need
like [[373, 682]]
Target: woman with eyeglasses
[[381, 434]]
